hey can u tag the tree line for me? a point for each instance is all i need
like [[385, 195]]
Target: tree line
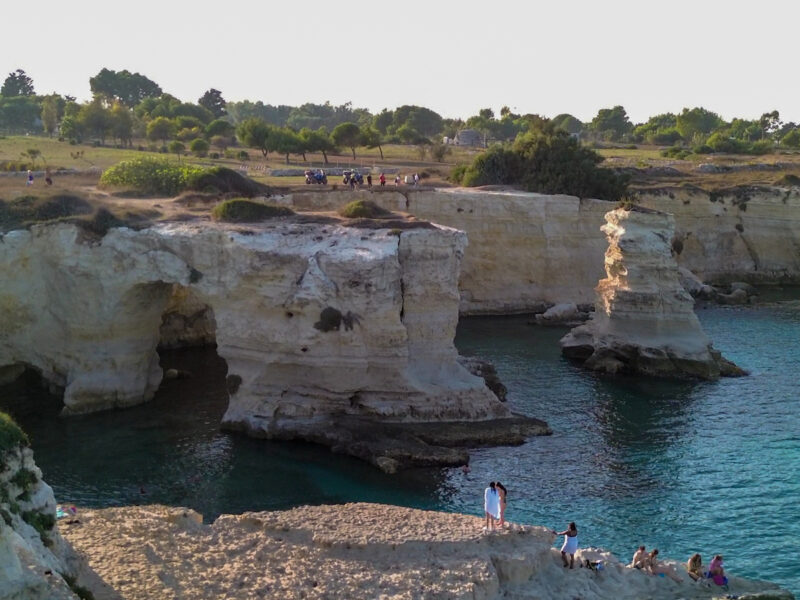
[[127, 106]]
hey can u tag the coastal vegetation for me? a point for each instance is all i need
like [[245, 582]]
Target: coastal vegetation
[[363, 209], [544, 160], [242, 210], [11, 435]]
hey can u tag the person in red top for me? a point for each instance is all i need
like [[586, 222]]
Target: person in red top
[[382, 179]]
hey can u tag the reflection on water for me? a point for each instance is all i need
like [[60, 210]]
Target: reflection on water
[[684, 466]]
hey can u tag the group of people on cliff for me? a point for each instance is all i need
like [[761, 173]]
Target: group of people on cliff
[[494, 505], [648, 561]]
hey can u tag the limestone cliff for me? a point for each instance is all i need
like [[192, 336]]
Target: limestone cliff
[[34, 559], [322, 326], [358, 552], [528, 251], [644, 320]]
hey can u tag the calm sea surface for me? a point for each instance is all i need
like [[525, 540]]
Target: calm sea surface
[[685, 467]]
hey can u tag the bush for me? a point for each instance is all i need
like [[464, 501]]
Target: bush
[[362, 209], [26, 210], [11, 435], [675, 152], [457, 174], [549, 162], [762, 147], [199, 147], [702, 149], [243, 155], [241, 210], [150, 175], [224, 180]]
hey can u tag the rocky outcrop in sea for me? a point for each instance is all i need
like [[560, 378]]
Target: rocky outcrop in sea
[[644, 320]]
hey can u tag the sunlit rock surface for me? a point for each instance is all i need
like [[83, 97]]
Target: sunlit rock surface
[[358, 552], [644, 320]]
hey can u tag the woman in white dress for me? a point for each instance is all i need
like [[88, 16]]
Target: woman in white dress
[[491, 506], [570, 544]]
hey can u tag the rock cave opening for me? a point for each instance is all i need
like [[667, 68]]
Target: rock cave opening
[[187, 348]]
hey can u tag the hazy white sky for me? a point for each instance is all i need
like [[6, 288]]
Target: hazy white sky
[[737, 58]]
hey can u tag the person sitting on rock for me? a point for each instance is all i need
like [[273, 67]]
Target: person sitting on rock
[[639, 560], [694, 566], [716, 571], [656, 568]]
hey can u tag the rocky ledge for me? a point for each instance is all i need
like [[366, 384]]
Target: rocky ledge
[[354, 551], [644, 320]]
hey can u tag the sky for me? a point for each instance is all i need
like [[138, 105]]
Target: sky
[[737, 58]]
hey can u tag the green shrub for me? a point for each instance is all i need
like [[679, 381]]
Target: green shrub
[[457, 174], [675, 152], [24, 479], [549, 162], [41, 522], [702, 149], [150, 175], [362, 209], [243, 155], [199, 147], [762, 147], [241, 210], [11, 435], [224, 180]]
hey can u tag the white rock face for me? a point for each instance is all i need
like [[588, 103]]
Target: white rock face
[[750, 234], [527, 250], [644, 319], [313, 320], [29, 568]]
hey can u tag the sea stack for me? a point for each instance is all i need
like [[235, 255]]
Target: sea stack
[[644, 321]]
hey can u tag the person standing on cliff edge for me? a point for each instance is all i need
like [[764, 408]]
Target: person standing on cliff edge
[[491, 506]]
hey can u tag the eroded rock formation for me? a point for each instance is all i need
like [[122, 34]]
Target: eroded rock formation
[[323, 327], [529, 251], [644, 320], [35, 561]]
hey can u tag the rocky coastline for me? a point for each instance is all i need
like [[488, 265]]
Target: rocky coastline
[[354, 551]]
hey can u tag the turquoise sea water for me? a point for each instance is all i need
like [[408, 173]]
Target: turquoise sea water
[[711, 467]]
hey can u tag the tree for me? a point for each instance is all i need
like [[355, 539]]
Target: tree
[[176, 147], [17, 84], [697, 121], [19, 114], [129, 88], [419, 118], [409, 135], [440, 151], [348, 135], [214, 102], [285, 141], [219, 127], [546, 161], [255, 133], [770, 123], [568, 123], [121, 123], [611, 123], [71, 128], [318, 141], [221, 141], [96, 119], [371, 138], [33, 154], [160, 128], [199, 147], [50, 114], [791, 139], [383, 120]]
